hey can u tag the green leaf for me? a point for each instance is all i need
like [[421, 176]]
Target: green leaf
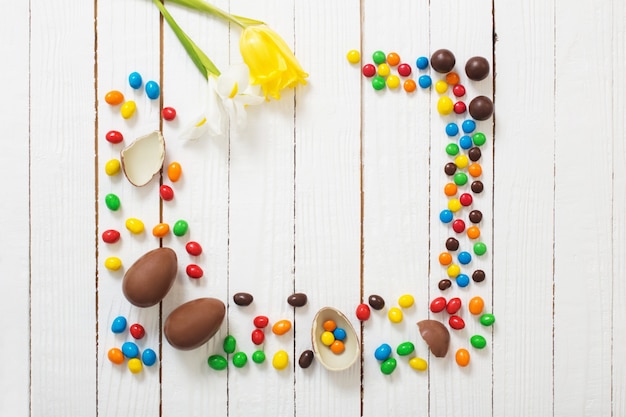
[[199, 58], [203, 6]]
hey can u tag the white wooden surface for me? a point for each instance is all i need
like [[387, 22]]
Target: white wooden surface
[[334, 191]]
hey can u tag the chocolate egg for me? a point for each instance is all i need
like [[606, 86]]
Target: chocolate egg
[[150, 278], [436, 336], [193, 323]]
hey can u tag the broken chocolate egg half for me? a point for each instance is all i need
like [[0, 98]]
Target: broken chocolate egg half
[[436, 336], [143, 158], [330, 360]]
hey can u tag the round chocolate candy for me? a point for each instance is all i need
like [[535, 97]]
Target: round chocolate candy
[[477, 187], [474, 154], [481, 108], [444, 284], [475, 216], [442, 61], [297, 299], [477, 68], [450, 168], [376, 302], [243, 299], [478, 275], [452, 244], [306, 359]]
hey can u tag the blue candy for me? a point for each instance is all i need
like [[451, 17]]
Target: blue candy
[[465, 142], [422, 62], [424, 81], [462, 280], [382, 352], [468, 126], [119, 324], [130, 350], [452, 129], [152, 90], [446, 216], [339, 333], [464, 258], [135, 81], [148, 357]]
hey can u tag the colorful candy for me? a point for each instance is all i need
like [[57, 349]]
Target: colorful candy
[[193, 248], [152, 90], [148, 357], [418, 364], [119, 324], [161, 230], [405, 348], [110, 236], [134, 365], [476, 305], [480, 248], [229, 344], [281, 327], [194, 271], [112, 167], [379, 57], [114, 97], [114, 136], [257, 336], [135, 80], [130, 350], [112, 202], [134, 225], [363, 312], [113, 263], [438, 305], [217, 362], [456, 322], [487, 319], [382, 352], [395, 315], [353, 56], [240, 359], [388, 366], [168, 113], [137, 331], [180, 228], [454, 305], [128, 109], [478, 341], [261, 321], [174, 171], [115, 356], [258, 356], [462, 357], [280, 360]]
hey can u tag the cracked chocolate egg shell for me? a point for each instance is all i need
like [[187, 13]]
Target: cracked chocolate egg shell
[[150, 278], [193, 323], [436, 336], [143, 159], [330, 360]]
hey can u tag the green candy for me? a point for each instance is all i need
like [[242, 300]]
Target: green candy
[[112, 201], [479, 138], [258, 356], [379, 57], [487, 319], [460, 178], [452, 149], [478, 341], [480, 248], [388, 366], [240, 359], [405, 348], [378, 82], [180, 228], [217, 362], [229, 344]]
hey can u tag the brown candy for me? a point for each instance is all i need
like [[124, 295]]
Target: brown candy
[[474, 154], [477, 187], [298, 299], [193, 323], [444, 284], [452, 244], [150, 278], [450, 168], [376, 302], [306, 359], [475, 216], [477, 68], [442, 61], [478, 275], [243, 299], [481, 108], [436, 336]]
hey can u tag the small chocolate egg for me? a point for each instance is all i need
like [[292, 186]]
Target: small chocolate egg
[[150, 278], [193, 323]]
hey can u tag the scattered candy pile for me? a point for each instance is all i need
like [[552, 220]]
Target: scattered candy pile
[[130, 350]]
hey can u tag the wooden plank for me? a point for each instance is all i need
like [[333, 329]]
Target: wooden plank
[[466, 30], [524, 209], [327, 195], [189, 386], [63, 304], [396, 199], [15, 259], [261, 225], [128, 40], [582, 300]]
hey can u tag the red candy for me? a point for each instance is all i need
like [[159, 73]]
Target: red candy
[[110, 236], [137, 331], [194, 271], [438, 305], [369, 70], [166, 192], [258, 336], [404, 70], [363, 312], [193, 248], [458, 225], [459, 107], [114, 136], [456, 322], [169, 113], [458, 90], [261, 322], [454, 305], [466, 199]]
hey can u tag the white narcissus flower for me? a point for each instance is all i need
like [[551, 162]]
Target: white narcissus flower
[[228, 96]]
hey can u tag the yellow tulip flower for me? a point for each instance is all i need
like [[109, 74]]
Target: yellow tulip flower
[[272, 64]]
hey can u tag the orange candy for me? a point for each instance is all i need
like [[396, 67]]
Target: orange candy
[[393, 59], [445, 258], [337, 347], [409, 86], [476, 305], [462, 357], [160, 230], [452, 78], [475, 170], [114, 97], [116, 356], [174, 171], [473, 232], [329, 325], [281, 327], [450, 189]]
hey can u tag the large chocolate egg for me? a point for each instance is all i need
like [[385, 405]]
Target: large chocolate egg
[[193, 323], [150, 278]]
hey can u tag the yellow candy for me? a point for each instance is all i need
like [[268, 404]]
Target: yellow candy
[[393, 81], [280, 360], [445, 105], [406, 301], [383, 70], [395, 315], [454, 205], [112, 167], [354, 56], [441, 86], [113, 263], [461, 161], [327, 338], [418, 364], [454, 271], [134, 365], [134, 225], [128, 109]]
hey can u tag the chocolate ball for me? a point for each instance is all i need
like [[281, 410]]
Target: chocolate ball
[[477, 68], [474, 154], [481, 108], [442, 61]]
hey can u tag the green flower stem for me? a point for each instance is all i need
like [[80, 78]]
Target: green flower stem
[[199, 58], [203, 6]]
